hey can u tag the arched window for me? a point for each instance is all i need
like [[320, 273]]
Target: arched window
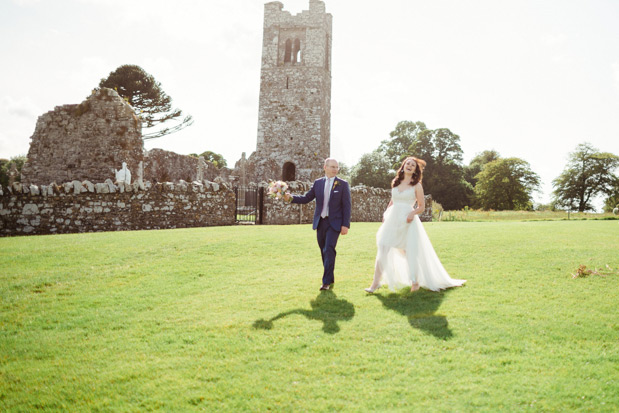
[[288, 51], [296, 52], [288, 172]]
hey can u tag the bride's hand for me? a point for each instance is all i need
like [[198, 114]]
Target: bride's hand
[[410, 217]]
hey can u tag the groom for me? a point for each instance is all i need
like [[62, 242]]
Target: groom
[[331, 217]]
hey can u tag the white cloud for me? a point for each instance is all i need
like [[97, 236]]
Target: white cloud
[[556, 39], [557, 44], [615, 69], [26, 3], [18, 117], [12, 145], [162, 66], [22, 108]]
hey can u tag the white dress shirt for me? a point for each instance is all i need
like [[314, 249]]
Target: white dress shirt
[[325, 205]]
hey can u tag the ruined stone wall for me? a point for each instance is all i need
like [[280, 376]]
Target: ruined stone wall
[[86, 141], [294, 114], [84, 207], [368, 205], [165, 166]]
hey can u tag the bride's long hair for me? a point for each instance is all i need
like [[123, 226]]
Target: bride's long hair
[[417, 175]]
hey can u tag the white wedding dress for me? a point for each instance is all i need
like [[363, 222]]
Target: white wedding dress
[[405, 252]]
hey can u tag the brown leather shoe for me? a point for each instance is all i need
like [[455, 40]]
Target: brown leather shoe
[[324, 287]]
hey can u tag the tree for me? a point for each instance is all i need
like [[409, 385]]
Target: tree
[[395, 149], [477, 163], [145, 95], [588, 173], [506, 184], [216, 159], [344, 172], [443, 176], [612, 201], [373, 169], [5, 167], [474, 168]]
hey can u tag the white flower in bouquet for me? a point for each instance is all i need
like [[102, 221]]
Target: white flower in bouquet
[[278, 190]]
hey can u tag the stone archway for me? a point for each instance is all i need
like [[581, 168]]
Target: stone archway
[[289, 172]]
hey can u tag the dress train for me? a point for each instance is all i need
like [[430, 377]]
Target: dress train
[[405, 253]]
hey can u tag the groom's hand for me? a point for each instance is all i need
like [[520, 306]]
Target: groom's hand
[[344, 230]]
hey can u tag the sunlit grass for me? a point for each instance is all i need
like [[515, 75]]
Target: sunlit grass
[[481, 215], [231, 319]]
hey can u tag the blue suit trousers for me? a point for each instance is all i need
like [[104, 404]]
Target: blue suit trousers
[[327, 240]]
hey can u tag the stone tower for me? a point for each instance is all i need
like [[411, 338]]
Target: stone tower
[[294, 117]]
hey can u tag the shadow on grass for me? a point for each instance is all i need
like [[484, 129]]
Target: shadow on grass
[[420, 308], [326, 307]]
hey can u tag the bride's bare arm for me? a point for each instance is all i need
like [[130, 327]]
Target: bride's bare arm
[[421, 203], [421, 199]]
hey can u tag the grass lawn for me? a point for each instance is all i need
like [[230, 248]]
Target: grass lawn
[[231, 319], [481, 215]]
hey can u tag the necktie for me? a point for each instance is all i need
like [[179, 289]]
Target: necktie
[[325, 205]]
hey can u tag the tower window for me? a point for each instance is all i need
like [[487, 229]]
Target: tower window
[[296, 53], [288, 51], [288, 173]]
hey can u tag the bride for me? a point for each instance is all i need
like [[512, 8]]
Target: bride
[[405, 254]]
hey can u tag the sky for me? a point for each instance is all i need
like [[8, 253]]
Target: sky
[[528, 78]]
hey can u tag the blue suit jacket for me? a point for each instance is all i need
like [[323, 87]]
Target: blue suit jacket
[[339, 202]]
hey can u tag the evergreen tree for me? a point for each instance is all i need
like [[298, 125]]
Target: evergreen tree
[[145, 95]]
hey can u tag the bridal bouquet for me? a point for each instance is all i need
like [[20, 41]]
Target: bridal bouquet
[[278, 190]]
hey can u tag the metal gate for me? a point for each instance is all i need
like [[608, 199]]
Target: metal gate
[[249, 205]]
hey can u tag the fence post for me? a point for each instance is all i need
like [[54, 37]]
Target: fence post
[[260, 211], [236, 204]]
